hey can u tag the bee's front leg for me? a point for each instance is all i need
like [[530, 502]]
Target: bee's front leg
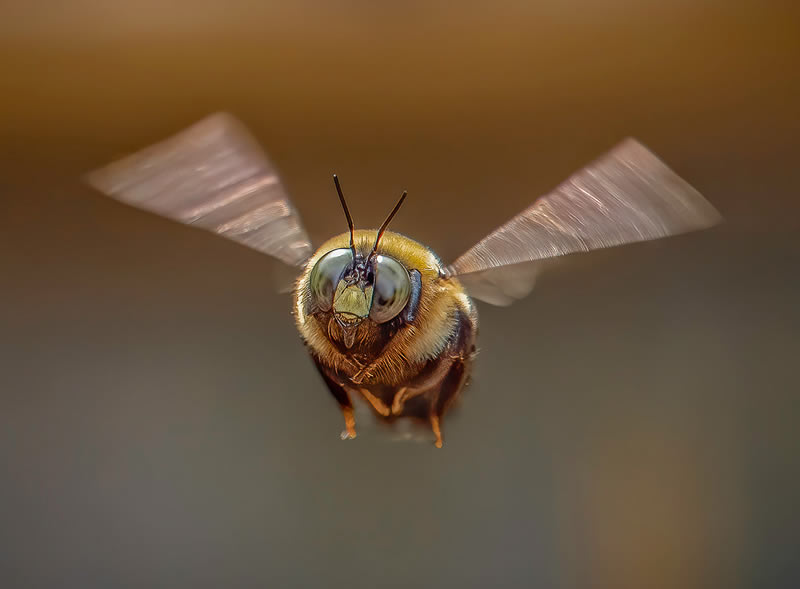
[[363, 374]]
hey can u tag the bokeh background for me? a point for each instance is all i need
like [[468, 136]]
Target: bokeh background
[[633, 423]]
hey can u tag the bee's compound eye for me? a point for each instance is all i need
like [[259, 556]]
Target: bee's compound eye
[[326, 275], [392, 289]]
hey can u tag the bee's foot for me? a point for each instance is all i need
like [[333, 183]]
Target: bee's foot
[[348, 435]]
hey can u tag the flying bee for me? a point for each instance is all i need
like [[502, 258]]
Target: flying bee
[[380, 314], [382, 318]]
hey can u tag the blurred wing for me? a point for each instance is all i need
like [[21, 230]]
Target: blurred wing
[[502, 285], [215, 176], [626, 196]]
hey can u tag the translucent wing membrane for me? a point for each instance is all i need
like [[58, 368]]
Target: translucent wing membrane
[[502, 285], [628, 195], [215, 176]]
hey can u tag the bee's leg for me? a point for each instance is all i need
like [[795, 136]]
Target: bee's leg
[[460, 353], [340, 394], [349, 432], [421, 387], [399, 400], [437, 431], [452, 384], [379, 405], [405, 394]]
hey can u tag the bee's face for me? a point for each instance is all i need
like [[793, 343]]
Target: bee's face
[[359, 301], [354, 289]]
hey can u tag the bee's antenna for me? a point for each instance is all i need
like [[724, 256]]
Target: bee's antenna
[[386, 222], [346, 214]]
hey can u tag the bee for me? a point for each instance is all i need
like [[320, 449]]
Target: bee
[[381, 315]]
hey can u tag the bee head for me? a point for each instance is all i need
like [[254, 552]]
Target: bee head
[[355, 285]]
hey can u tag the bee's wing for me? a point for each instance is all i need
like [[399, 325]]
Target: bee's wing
[[215, 176], [626, 196], [502, 285]]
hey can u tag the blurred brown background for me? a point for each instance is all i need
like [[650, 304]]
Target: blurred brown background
[[633, 423]]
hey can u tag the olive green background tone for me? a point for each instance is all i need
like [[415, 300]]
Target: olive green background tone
[[633, 423]]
